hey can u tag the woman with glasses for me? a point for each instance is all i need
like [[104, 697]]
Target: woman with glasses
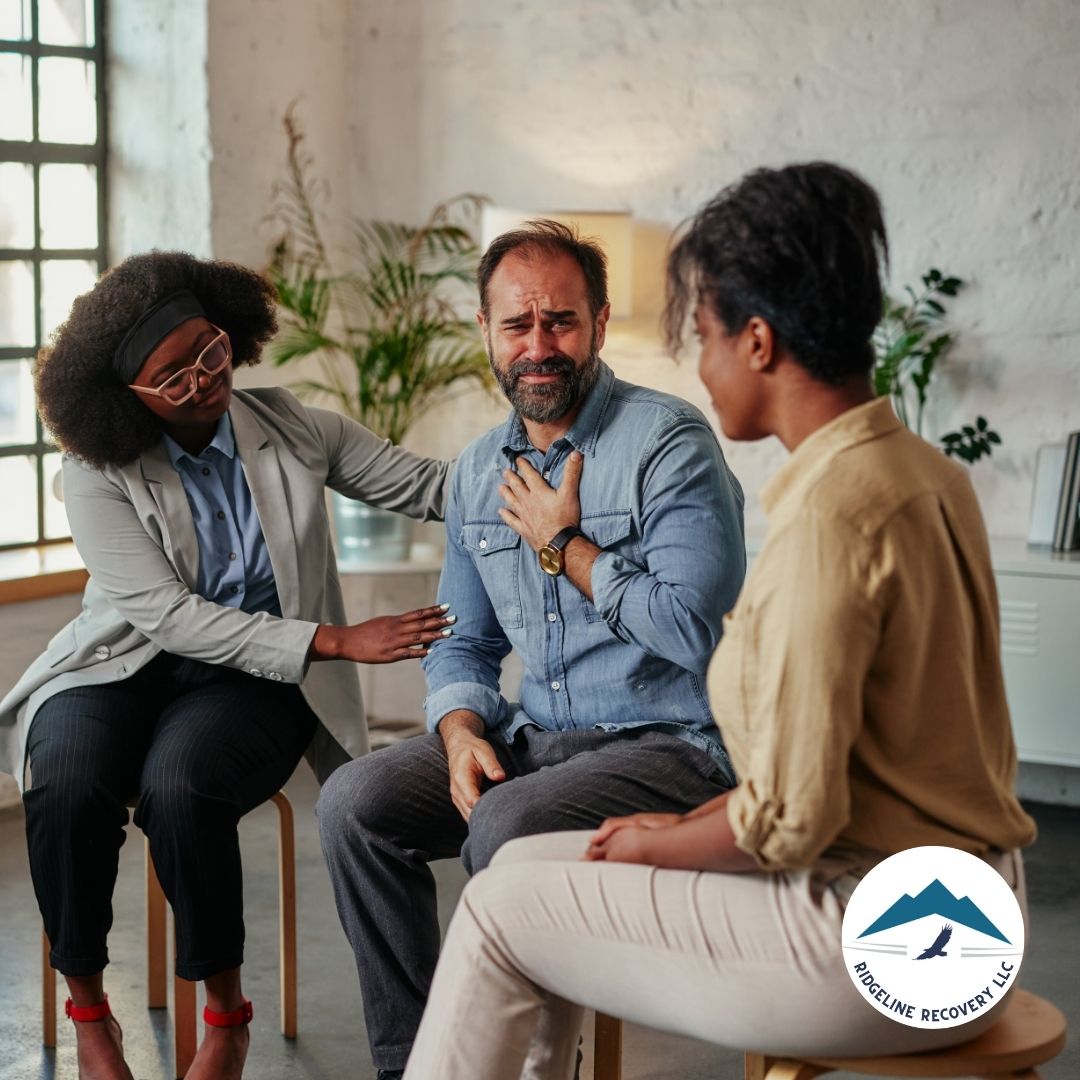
[[858, 688], [212, 650]]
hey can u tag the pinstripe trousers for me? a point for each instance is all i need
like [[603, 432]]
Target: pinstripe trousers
[[199, 745]]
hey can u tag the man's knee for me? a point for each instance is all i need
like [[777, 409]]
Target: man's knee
[[497, 818], [360, 798]]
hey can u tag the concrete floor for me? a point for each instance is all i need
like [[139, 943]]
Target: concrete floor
[[331, 1041]]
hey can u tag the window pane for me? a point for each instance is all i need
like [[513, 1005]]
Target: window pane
[[67, 100], [16, 403], [56, 522], [69, 212], [18, 482], [66, 22], [15, 20], [16, 119], [61, 282], [16, 304], [16, 205]]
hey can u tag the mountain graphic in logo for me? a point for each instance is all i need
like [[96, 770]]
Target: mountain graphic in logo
[[935, 899]]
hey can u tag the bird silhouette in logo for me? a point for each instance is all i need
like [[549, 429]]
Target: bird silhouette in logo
[[938, 947]]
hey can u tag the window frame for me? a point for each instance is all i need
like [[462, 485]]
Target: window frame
[[36, 153]]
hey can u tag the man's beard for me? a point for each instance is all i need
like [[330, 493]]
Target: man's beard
[[542, 403]]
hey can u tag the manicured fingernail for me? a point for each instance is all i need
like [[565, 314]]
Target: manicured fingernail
[[444, 607], [447, 632], [451, 619]]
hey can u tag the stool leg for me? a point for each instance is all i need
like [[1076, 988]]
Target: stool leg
[[760, 1067], [184, 1023], [607, 1048], [48, 995], [287, 913], [157, 980]]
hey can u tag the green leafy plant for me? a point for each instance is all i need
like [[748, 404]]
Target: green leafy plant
[[384, 326], [910, 343]]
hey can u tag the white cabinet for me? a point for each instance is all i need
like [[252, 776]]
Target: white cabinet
[[1039, 594]]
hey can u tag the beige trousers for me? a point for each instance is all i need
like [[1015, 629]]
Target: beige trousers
[[751, 961]]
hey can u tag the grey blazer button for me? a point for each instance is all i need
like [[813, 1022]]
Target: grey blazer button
[[257, 672], [275, 675], [102, 652]]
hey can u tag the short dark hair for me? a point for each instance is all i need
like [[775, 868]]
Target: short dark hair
[[82, 400], [546, 237], [799, 247]]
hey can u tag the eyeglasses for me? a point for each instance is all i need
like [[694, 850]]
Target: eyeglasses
[[182, 384]]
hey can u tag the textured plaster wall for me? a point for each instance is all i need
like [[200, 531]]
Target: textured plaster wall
[[963, 114], [159, 143], [264, 54]]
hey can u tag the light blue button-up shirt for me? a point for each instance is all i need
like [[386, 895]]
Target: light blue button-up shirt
[[234, 564], [657, 496]]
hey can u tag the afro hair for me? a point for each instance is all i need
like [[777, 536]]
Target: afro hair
[[84, 404]]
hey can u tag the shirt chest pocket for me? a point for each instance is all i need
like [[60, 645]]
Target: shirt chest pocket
[[496, 552], [611, 531]]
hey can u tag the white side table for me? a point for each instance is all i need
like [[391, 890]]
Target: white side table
[[393, 693]]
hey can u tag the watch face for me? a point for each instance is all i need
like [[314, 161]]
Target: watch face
[[551, 561]]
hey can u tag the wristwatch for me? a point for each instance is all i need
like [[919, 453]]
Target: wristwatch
[[551, 554]]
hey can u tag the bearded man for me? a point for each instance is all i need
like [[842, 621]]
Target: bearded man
[[599, 533]]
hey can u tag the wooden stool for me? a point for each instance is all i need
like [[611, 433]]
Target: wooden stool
[[185, 1023], [1030, 1032]]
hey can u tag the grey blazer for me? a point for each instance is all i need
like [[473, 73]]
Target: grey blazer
[[132, 526]]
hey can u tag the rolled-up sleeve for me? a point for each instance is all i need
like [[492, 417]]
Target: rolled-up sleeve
[[693, 552], [805, 644]]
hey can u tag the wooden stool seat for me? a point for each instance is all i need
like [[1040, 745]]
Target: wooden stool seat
[[1030, 1032]]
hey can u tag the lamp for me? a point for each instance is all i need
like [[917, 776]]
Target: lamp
[[613, 230]]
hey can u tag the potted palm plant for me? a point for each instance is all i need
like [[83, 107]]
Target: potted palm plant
[[381, 320]]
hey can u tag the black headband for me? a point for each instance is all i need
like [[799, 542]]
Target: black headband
[[150, 329]]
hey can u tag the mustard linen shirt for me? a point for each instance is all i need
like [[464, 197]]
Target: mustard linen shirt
[[858, 685]]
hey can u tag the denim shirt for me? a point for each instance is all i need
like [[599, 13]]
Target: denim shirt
[[234, 564], [657, 496]]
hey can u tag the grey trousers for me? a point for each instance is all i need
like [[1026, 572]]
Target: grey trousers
[[384, 817]]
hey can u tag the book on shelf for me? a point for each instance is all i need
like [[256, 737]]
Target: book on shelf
[[1067, 521]]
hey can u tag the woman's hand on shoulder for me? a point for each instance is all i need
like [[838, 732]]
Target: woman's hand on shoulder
[[384, 639]]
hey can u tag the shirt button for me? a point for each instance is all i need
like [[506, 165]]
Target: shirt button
[[102, 652], [221, 515], [232, 555], [640, 686], [275, 675], [555, 685], [234, 589], [206, 471], [483, 544], [552, 616], [547, 475], [256, 672]]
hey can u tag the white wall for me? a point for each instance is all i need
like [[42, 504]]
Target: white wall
[[159, 138], [964, 115]]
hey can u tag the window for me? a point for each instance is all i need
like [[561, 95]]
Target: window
[[52, 229]]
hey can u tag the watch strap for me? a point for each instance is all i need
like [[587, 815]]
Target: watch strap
[[563, 537]]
